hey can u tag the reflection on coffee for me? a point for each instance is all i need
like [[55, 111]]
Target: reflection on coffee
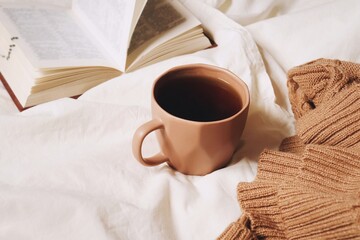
[[200, 99]]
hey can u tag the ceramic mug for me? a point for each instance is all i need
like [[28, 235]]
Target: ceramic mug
[[198, 113]]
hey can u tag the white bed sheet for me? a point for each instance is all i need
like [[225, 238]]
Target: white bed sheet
[[66, 167]]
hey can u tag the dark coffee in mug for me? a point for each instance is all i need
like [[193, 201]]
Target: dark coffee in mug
[[197, 98]]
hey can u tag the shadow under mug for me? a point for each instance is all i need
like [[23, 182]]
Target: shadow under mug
[[199, 112]]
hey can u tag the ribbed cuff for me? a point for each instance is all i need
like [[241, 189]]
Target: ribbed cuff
[[238, 230], [308, 214], [319, 199], [336, 123], [275, 165], [331, 169], [260, 202], [325, 203]]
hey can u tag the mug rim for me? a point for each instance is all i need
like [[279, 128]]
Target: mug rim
[[244, 106]]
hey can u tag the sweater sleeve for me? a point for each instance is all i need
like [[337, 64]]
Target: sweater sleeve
[[320, 200]]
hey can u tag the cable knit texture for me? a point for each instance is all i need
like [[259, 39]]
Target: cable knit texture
[[310, 188], [319, 81]]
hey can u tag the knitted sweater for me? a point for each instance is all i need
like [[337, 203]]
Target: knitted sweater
[[310, 188]]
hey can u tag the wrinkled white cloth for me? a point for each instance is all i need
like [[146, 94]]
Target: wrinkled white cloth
[[66, 167]]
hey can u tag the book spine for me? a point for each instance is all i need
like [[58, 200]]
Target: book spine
[[11, 93]]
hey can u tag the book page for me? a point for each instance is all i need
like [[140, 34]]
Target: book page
[[139, 7], [51, 37], [157, 17], [161, 21], [111, 22]]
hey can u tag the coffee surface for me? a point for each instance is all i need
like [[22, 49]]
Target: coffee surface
[[200, 99]]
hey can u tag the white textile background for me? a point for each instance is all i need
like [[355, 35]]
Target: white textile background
[[66, 167]]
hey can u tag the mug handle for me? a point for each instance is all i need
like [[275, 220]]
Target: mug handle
[[138, 140]]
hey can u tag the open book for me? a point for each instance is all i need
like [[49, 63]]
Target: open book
[[50, 52]]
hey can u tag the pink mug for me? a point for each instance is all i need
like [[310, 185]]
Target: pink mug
[[198, 113]]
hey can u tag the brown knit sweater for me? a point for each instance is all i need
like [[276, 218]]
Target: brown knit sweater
[[310, 188]]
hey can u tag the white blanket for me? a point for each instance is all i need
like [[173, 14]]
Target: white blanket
[[66, 167]]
